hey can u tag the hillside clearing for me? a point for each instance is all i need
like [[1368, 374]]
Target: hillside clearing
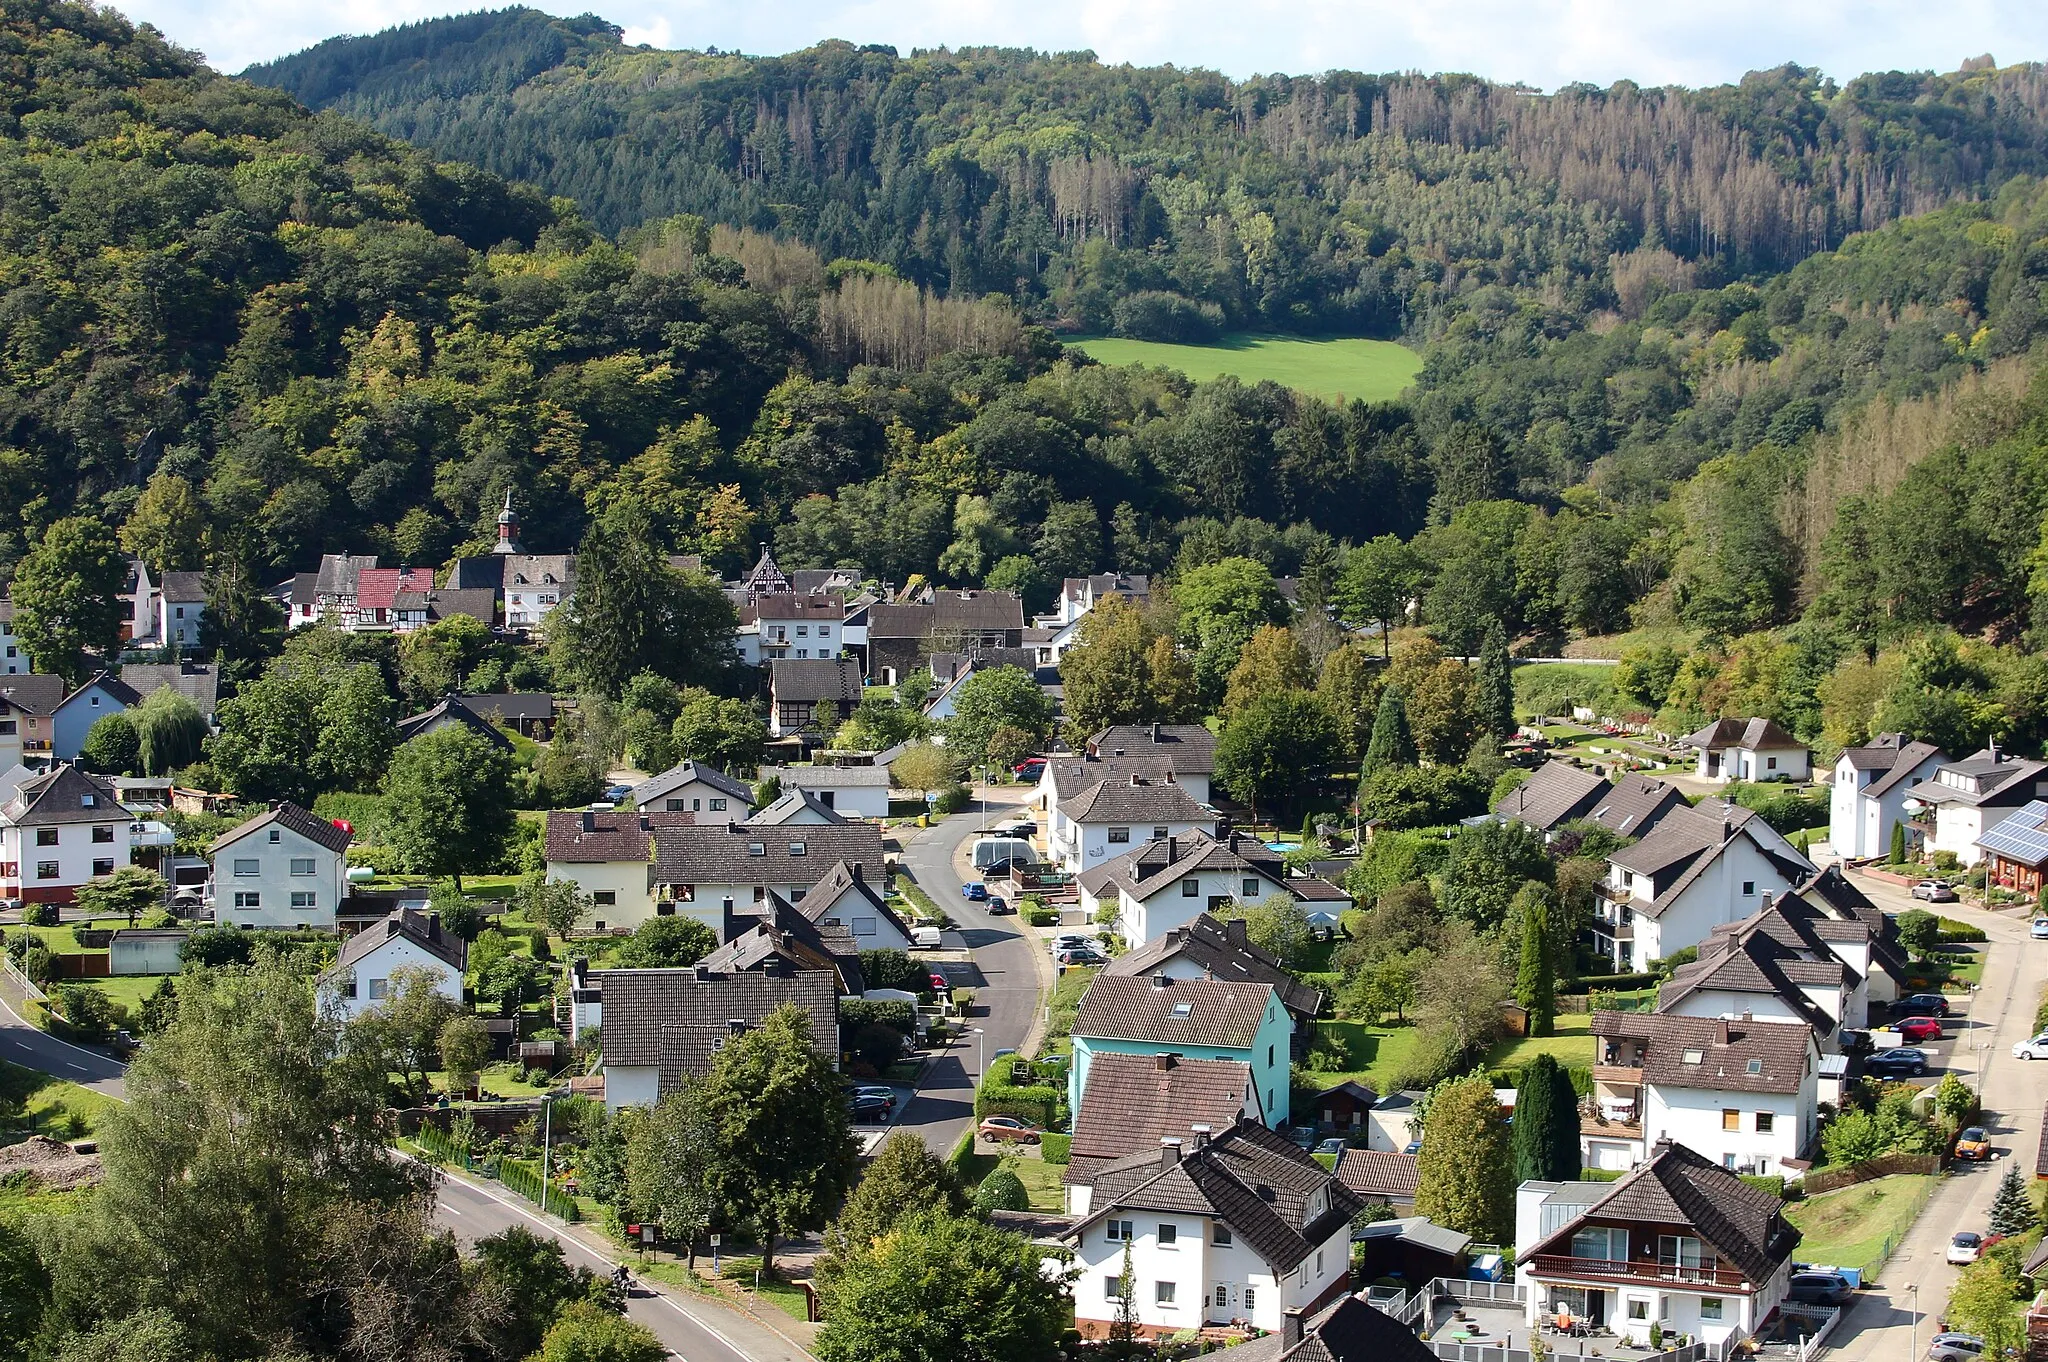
[[1336, 370]]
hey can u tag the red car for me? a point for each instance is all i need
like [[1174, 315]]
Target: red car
[[1917, 1029], [940, 984]]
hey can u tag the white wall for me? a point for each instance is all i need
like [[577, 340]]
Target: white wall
[[625, 881], [852, 801], [1087, 845], [1197, 1267], [1693, 1117], [75, 856], [701, 797], [270, 880], [1144, 920], [637, 1085], [373, 974], [1729, 890], [871, 931]]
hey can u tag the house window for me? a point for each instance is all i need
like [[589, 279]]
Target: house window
[[1119, 1231], [1602, 1242], [1638, 1308], [717, 806], [46, 870], [796, 848], [827, 798], [105, 867], [46, 837], [1119, 836], [824, 631], [302, 901], [1159, 834], [1710, 1307], [863, 926], [103, 834], [1766, 1122], [379, 989], [1190, 888], [1221, 1236], [248, 898], [757, 848], [1681, 1250], [1731, 1119], [803, 631], [1770, 763], [1162, 1293], [1319, 1262], [1250, 1299], [248, 865], [1169, 1236], [1113, 1288], [605, 897], [302, 865], [7, 728], [1249, 889], [275, 837]]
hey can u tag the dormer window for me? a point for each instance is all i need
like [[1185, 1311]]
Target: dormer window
[[86, 801], [757, 848], [796, 848], [1755, 1066], [1693, 1057], [1183, 1010]]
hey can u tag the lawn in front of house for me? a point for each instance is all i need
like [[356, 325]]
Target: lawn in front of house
[[1571, 1044], [1373, 1053], [1850, 1227]]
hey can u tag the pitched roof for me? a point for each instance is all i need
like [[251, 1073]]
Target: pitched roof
[[784, 936], [477, 603], [726, 853], [538, 569], [1190, 748], [1743, 1224], [675, 777], [1071, 775], [829, 777], [518, 706], [451, 711], [1222, 950], [1254, 1180], [183, 586], [1773, 951], [422, 930], [33, 692], [1133, 1101], [63, 794], [1894, 754], [789, 805], [109, 685], [2021, 837], [198, 682], [1636, 804], [286, 814], [1714, 1053], [844, 878], [1138, 799], [1158, 1010], [601, 836], [949, 611], [834, 679], [1348, 1330], [1997, 780], [1749, 734], [1378, 1173], [677, 1019], [1555, 792]]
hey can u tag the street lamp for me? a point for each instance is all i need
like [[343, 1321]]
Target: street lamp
[[1913, 1290], [980, 1052]]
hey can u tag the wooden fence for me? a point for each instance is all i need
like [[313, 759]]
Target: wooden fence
[[1884, 1166]]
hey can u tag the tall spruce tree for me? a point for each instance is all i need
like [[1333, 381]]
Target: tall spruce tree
[[1496, 684], [1391, 743], [1546, 1128], [2012, 1210], [1536, 980]]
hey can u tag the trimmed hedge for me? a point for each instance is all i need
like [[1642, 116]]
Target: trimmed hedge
[[1951, 930], [1589, 983], [855, 1013], [441, 1145], [517, 1177], [1054, 1147], [999, 1096]]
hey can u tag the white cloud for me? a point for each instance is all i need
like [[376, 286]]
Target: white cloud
[[1544, 42]]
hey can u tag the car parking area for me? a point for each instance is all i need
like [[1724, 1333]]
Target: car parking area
[[1891, 1030]]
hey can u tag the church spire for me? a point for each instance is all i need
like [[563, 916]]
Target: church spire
[[508, 527]]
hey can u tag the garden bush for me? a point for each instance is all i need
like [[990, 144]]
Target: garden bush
[[1002, 1190], [39, 915], [953, 799], [855, 1013], [1952, 930], [1056, 1148]]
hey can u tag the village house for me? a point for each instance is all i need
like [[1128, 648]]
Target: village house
[[1134, 1101], [784, 624], [705, 871], [1749, 749], [1557, 793], [1739, 1091], [1060, 630], [1349, 1330], [1868, 796], [659, 1026], [849, 791], [14, 658], [1699, 868], [530, 714], [902, 636], [198, 682], [284, 869], [608, 855], [367, 972], [795, 808], [813, 697], [1192, 1018], [1166, 884], [1188, 751], [2018, 850], [783, 938], [1232, 1225], [60, 829], [1115, 816], [179, 608], [97, 697], [1680, 1242], [1968, 798], [1206, 948], [453, 711], [28, 709], [693, 787], [845, 900], [1380, 1176]]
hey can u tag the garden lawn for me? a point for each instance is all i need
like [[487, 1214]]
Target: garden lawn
[[1373, 1053], [52, 1107], [1337, 370], [1042, 1180], [125, 990], [1849, 1228], [1571, 1046]]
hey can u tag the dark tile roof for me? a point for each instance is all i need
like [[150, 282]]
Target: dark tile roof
[[1726, 1050], [1636, 804], [1190, 748], [1348, 1330], [1895, 755], [1556, 792], [784, 937], [1219, 1014], [658, 787], [538, 569], [598, 836], [1220, 949], [1773, 951], [529, 707], [59, 795], [829, 777], [452, 711], [477, 603], [847, 877], [1378, 1174], [286, 814], [112, 686], [183, 586], [817, 680], [976, 611], [33, 692], [678, 1019], [790, 605], [1254, 1180], [1134, 1101], [1137, 799], [483, 572], [1745, 1225], [723, 853], [788, 805], [423, 930], [1071, 775], [1749, 734], [198, 682]]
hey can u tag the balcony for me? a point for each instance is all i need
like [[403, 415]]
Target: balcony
[[1620, 1075], [1610, 1270], [1610, 1128]]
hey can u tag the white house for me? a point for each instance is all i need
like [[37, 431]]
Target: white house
[[14, 658], [100, 695], [284, 868], [1745, 1093], [1967, 798], [59, 830], [1111, 817], [1134, 1101], [846, 901], [786, 624], [1241, 1225], [1186, 750], [849, 791], [1749, 749], [1698, 868], [662, 1025], [1868, 798], [1681, 1242], [364, 975], [693, 787], [712, 872], [1078, 597], [180, 608], [608, 854], [1165, 885]]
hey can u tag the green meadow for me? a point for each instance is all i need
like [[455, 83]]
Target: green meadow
[[1335, 370]]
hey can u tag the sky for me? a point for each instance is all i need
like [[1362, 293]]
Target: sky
[[1545, 43]]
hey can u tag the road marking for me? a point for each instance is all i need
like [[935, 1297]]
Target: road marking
[[94, 1055], [446, 1207]]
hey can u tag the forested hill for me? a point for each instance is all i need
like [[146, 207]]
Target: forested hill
[[1352, 202]]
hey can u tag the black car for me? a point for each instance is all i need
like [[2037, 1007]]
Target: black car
[[868, 1107], [1902, 1062], [1819, 1288], [997, 906], [1854, 1042], [1921, 1005]]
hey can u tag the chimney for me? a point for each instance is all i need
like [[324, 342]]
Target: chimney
[[590, 820], [1720, 1031], [1137, 779], [1169, 1152], [1172, 853], [1160, 981], [854, 866], [1163, 1061], [1233, 931], [1290, 1329], [1201, 1134], [701, 971], [1155, 732]]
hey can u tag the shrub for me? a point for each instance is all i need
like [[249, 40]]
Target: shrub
[[218, 945], [893, 969], [877, 1046], [1918, 930], [855, 1013], [39, 915], [1002, 1190], [953, 799], [1162, 315], [1056, 1148], [1952, 930], [1041, 917], [88, 1009]]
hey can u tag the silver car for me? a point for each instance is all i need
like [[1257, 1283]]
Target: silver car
[[1955, 1348]]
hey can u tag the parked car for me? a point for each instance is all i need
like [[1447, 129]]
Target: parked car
[[1955, 1348], [2034, 1048], [940, 983], [875, 1090], [1900, 1062], [1030, 768], [974, 892], [615, 793], [1921, 1005], [867, 1107], [1935, 891], [1966, 1248], [1819, 1288], [1081, 955], [2039, 929], [1010, 1128], [998, 906], [1069, 940], [1917, 1029], [1854, 1042], [1974, 1143], [1334, 1145]]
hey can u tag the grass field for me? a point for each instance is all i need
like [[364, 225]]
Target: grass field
[[1571, 1045], [1336, 370], [1849, 1228], [1372, 1053], [50, 1106]]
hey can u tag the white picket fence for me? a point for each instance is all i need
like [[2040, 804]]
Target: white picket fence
[[21, 981]]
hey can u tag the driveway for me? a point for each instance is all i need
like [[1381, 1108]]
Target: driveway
[[1002, 968], [1880, 1324]]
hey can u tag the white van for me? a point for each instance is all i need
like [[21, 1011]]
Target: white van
[[924, 938], [989, 850]]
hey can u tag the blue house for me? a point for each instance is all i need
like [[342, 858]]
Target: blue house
[[1191, 1018], [100, 696]]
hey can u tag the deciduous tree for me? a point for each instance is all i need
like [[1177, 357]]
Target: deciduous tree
[[1277, 746], [993, 698], [465, 1048], [66, 592], [448, 802], [1465, 1172]]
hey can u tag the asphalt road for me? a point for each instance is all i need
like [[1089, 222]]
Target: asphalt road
[[23, 1044], [1003, 973]]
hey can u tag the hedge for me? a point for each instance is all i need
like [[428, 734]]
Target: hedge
[[855, 1013], [440, 1144], [999, 1096], [1590, 983], [1951, 930], [1054, 1147], [517, 1177], [1042, 917]]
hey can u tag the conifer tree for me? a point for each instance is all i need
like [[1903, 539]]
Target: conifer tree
[[1391, 744], [1536, 981], [2012, 1210], [1546, 1128], [1898, 849], [1496, 683]]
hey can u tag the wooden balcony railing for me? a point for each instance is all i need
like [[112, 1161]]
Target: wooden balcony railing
[[1625, 1075], [1608, 1269]]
